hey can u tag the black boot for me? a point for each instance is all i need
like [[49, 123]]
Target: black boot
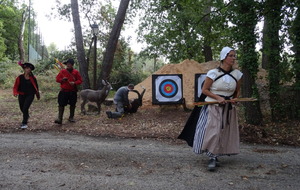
[[212, 164], [109, 114], [61, 110], [72, 112]]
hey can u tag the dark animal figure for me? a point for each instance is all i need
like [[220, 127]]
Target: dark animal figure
[[136, 103], [98, 96]]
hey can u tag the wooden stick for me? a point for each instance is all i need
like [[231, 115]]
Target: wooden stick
[[227, 101]]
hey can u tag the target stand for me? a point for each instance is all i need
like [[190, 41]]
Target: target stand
[[167, 89]]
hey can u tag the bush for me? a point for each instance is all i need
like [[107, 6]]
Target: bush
[[46, 79], [8, 74]]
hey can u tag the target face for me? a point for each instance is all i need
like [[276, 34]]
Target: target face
[[167, 89], [199, 80]]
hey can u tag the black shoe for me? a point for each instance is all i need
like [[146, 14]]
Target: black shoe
[[72, 120], [212, 164], [58, 121], [109, 114], [218, 164]]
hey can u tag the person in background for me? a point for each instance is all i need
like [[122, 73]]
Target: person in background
[[121, 100], [68, 78], [25, 88], [216, 130]]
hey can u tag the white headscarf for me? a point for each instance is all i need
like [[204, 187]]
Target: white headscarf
[[224, 52]]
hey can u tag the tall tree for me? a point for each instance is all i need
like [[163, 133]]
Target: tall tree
[[21, 34], [10, 15], [92, 11], [295, 38], [83, 66], [113, 40], [271, 52], [2, 44], [183, 29], [245, 18], [207, 51]]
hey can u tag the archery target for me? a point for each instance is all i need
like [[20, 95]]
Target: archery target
[[166, 89], [199, 80]]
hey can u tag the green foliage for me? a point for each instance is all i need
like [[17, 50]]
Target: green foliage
[[49, 88], [45, 78], [8, 73], [125, 70], [272, 46], [10, 20], [294, 32], [295, 38], [245, 18], [2, 44], [243, 15], [179, 29]]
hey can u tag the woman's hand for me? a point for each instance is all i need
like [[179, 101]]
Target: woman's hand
[[221, 100], [38, 96], [233, 101]]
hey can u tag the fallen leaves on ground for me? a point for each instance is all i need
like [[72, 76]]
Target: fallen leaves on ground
[[159, 122]]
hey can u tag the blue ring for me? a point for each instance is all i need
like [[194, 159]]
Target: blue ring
[[168, 82]]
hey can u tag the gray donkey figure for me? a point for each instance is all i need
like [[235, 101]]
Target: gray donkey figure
[[98, 96]]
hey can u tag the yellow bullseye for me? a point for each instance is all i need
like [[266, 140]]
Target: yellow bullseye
[[168, 88]]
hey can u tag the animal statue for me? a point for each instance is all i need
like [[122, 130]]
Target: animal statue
[[136, 103], [98, 96]]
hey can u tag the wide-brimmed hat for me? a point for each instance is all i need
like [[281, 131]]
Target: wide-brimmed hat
[[69, 61], [31, 66], [224, 52]]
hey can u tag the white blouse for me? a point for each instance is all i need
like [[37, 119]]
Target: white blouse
[[225, 85]]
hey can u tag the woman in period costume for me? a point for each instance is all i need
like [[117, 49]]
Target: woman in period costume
[[213, 129]]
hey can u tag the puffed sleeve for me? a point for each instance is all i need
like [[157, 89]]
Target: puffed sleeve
[[212, 74]]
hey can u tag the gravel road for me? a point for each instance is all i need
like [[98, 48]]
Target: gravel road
[[65, 161]]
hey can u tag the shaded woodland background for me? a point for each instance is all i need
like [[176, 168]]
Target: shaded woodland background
[[173, 31]]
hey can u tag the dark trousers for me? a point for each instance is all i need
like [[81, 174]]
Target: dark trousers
[[119, 110], [65, 98], [24, 102]]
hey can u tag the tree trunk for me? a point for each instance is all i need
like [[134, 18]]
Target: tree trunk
[[21, 36], [295, 30], [265, 60], [207, 51], [271, 53], [253, 113], [113, 40], [83, 65], [247, 20]]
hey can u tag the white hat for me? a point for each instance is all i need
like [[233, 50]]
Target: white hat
[[224, 52]]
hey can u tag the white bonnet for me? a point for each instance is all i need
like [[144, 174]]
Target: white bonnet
[[224, 52]]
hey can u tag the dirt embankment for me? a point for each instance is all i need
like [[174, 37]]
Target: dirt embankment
[[188, 69]]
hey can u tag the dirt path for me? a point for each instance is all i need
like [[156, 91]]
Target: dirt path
[[63, 161]]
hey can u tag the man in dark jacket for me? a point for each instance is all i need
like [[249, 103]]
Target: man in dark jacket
[[121, 100]]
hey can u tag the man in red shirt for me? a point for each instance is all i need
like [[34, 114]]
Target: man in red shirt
[[68, 78]]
